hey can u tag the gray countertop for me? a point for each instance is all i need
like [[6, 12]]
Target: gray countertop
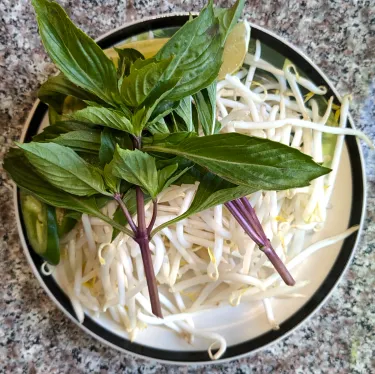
[[35, 336]]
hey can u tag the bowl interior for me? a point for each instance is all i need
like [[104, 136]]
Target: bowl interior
[[245, 327]]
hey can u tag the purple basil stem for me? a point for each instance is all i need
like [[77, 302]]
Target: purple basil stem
[[245, 215]]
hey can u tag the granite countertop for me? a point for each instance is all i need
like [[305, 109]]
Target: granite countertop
[[35, 336]]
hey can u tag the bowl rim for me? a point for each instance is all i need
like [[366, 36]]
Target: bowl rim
[[317, 307]]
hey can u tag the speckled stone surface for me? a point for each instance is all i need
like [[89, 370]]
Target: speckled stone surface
[[35, 337]]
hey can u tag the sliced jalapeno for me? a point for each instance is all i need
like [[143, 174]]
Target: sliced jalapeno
[[41, 227]]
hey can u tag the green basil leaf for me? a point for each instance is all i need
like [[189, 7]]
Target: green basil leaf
[[161, 110], [91, 158], [80, 140], [64, 169], [169, 140], [164, 174], [229, 17], [175, 178], [127, 57], [112, 182], [108, 140], [105, 117], [159, 127], [136, 167], [80, 59], [59, 128], [55, 90], [141, 81], [178, 124], [150, 111], [184, 111], [26, 178], [205, 102], [245, 160], [197, 47], [212, 191]]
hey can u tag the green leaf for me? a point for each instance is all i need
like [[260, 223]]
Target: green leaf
[[108, 140], [55, 90], [112, 182], [168, 139], [64, 169], [154, 108], [212, 191], [159, 127], [142, 80], [80, 140], [164, 174], [205, 102], [245, 160], [59, 128], [127, 57], [161, 110], [197, 47], [80, 59], [105, 117], [174, 178], [136, 167], [229, 17], [26, 178], [184, 111], [178, 124]]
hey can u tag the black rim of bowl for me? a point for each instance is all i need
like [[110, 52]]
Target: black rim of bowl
[[308, 308]]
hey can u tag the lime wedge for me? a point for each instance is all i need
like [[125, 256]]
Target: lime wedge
[[235, 49], [148, 48]]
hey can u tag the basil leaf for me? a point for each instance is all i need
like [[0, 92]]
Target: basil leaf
[[64, 169], [159, 127], [126, 59], [178, 124], [59, 128], [229, 17], [136, 167], [169, 140], [26, 178], [184, 111], [245, 160], [197, 47], [105, 117], [112, 182], [151, 105], [55, 90], [143, 80], [161, 110], [205, 102], [212, 191], [173, 179], [164, 174], [80, 140], [108, 140], [80, 59]]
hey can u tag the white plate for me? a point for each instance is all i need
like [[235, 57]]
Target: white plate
[[244, 327]]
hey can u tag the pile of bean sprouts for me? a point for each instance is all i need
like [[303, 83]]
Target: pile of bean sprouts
[[207, 260]]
